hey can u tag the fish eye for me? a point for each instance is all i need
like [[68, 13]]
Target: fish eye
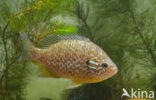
[[87, 62], [105, 65]]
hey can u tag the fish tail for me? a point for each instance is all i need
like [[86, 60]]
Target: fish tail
[[27, 47]]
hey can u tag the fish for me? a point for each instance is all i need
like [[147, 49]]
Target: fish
[[71, 57]]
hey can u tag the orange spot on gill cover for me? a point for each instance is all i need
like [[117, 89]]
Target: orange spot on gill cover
[[95, 60]]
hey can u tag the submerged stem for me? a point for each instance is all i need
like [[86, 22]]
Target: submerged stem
[[6, 56], [143, 39], [88, 29], [7, 64], [83, 18]]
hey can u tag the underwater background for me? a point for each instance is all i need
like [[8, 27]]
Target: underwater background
[[124, 29]]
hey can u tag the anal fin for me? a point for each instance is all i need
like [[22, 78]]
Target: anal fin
[[45, 73], [35, 63]]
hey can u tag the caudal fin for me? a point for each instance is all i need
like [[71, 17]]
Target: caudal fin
[[27, 47]]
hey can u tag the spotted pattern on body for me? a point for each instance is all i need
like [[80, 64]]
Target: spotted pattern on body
[[68, 59]]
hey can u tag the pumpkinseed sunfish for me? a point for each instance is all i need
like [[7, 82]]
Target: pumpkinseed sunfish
[[70, 56]]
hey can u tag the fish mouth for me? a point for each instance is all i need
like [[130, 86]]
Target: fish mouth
[[114, 70]]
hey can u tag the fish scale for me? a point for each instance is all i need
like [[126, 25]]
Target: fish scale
[[68, 56]]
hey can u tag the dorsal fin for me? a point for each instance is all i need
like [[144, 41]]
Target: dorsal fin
[[48, 40], [52, 39], [72, 37]]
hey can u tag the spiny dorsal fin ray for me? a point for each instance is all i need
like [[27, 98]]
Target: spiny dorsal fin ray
[[72, 37], [52, 39], [48, 40]]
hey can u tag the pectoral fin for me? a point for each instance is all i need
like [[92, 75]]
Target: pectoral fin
[[74, 84]]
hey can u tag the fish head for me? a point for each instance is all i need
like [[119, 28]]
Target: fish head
[[109, 68], [101, 68]]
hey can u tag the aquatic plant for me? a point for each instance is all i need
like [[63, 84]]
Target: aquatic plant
[[125, 29], [31, 17]]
